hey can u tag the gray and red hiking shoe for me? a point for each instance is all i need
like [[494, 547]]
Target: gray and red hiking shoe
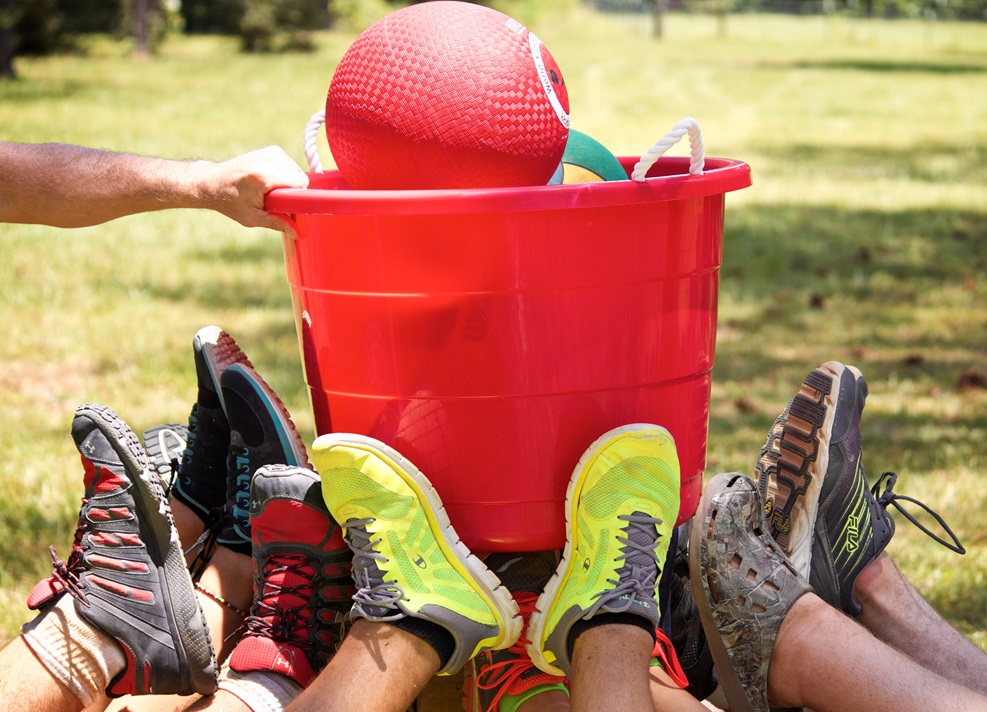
[[126, 571], [303, 585], [201, 482], [817, 501]]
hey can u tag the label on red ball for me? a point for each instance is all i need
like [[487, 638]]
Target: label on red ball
[[550, 75]]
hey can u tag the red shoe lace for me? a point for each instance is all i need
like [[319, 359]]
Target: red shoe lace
[[664, 651], [67, 572], [505, 676]]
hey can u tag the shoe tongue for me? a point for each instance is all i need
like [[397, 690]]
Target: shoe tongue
[[291, 522], [367, 576], [291, 587], [639, 551], [256, 652], [206, 395], [638, 574], [44, 591]]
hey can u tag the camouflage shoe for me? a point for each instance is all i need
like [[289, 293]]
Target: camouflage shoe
[[744, 587]]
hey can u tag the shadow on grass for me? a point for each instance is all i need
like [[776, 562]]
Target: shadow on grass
[[24, 91], [254, 278], [891, 66], [931, 162], [825, 249]]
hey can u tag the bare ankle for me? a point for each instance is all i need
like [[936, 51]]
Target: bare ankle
[[877, 576]]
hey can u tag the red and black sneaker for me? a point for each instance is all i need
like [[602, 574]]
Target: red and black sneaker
[[503, 679], [126, 571], [303, 585]]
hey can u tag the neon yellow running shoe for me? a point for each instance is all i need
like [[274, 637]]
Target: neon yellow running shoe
[[408, 560], [621, 507]]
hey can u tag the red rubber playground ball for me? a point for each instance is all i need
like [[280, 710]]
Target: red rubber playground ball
[[447, 94]]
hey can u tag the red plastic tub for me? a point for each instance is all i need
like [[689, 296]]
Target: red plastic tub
[[491, 335]]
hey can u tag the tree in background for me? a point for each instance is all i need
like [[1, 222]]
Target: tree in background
[[279, 25], [7, 39], [219, 17], [145, 22]]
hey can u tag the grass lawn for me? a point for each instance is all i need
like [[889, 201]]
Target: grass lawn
[[863, 239]]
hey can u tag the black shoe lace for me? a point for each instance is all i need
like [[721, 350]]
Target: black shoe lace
[[173, 465], [269, 616], [205, 545], [238, 461], [67, 572], [191, 434], [888, 497]]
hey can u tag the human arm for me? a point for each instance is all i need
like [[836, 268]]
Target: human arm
[[72, 186]]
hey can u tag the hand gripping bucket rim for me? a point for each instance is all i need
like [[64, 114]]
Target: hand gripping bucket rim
[[490, 335]]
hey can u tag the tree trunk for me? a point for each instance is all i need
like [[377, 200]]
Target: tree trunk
[[141, 41], [657, 17], [7, 39]]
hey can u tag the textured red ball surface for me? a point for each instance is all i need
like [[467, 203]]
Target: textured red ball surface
[[447, 94]]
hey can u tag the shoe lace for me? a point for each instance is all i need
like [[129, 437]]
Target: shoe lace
[[502, 675], [205, 545], [888, 497], [634, 582], [372, 589], [191, 435], [173, 465], [238, 500], [67, 572], [664, 651], [270, 616]]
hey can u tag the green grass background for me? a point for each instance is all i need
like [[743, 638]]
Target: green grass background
[[863, 239]]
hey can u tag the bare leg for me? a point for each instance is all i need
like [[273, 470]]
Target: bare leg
[[378, 668], [898, 615], [610, 670], [188, 524], [825, 661], [222, 701], [548, 701], [229, 575], [667, 696], [26, 684]]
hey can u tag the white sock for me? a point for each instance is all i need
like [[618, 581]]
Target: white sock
[[260, 690], [80, 656]]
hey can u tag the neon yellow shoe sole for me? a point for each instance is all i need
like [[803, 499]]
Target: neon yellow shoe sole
[[409, 560], [630, 474]]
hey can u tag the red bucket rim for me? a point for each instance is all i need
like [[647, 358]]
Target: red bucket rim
[[668, 180]]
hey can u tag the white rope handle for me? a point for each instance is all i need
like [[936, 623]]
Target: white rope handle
[[687, 125], [309, 138]]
